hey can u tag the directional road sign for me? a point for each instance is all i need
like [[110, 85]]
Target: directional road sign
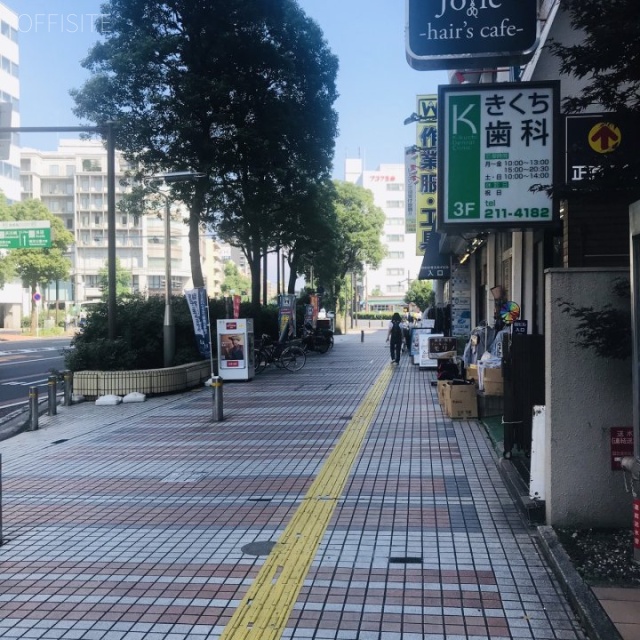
[[25, 234]]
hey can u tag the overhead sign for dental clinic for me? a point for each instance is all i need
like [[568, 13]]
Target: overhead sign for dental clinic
[[470, 34]]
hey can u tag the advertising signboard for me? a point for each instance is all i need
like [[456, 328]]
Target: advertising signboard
[[410, 181], [470, 34], [593, 138], [427, 170], [498, 146]]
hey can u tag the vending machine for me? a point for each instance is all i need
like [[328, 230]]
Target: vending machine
[[236, 358]]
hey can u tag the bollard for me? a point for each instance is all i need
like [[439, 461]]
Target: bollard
[[68, 388], [362, 336], [52, 393], [216, 386], [369, 324], [33, 407]]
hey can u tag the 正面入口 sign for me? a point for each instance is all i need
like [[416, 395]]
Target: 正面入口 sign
[[470, 34], [592, 138], [497, 144]]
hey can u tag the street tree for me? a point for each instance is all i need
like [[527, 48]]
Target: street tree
[[242, 92], [234, 281], [607, 61], [421, 294], [40, 266], [124, 280], [359, 223]]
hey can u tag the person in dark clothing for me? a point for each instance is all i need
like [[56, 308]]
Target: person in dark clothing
[[395, 336]]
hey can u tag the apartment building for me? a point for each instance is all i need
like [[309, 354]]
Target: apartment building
[[72, 183], [384, 288]]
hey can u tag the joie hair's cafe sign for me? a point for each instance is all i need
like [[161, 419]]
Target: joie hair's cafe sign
[[470, 34]]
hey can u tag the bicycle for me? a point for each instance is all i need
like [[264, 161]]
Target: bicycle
[[320, 340], [284, 355]]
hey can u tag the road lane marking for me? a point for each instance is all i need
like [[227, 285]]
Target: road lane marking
[[266, 608]]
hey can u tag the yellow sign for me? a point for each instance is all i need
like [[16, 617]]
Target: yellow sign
[[427, 161], [604, 137]]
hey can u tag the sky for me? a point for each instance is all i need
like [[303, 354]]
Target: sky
[[376, 85]]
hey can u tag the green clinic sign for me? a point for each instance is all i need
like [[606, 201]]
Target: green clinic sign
[[27, 234], [497, 143]]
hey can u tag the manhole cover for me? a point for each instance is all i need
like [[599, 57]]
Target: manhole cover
[[259, 548]]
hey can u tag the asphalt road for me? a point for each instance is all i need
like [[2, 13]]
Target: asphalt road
[[27, 363]]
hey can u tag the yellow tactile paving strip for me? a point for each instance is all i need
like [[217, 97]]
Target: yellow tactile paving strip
[[265, 610]]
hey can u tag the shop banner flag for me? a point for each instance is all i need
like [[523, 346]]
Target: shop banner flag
[[199, 307], [287, 316], [236, 306]]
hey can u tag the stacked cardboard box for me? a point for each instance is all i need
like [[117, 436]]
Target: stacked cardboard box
[[458, 400], [492, 382]]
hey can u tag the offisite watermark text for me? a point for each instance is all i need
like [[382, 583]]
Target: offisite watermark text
[[63, 23]]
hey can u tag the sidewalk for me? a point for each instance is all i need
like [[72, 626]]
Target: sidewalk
[[333, 503]]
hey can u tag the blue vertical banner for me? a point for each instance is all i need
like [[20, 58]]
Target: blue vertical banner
[[199, 306]]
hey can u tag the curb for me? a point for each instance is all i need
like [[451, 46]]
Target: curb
[[596, 622]]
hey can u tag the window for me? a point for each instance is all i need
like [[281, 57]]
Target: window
[[395, 222], [69, 223], [395, 272], [123, 220], [155, 282], [54, 170], [395, 204], [89, 164], [85, 221], [395, 237], [71, 169], [394, 288], [97, 219], [92, 280], [394, 186], [395, 255], [25, 164]]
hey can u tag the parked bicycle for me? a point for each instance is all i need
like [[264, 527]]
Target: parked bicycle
[[320, 340], [284, 355]]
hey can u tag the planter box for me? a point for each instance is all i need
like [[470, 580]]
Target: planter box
[[147, 381]]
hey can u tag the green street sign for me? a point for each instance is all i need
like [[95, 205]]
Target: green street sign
[[28, 234]]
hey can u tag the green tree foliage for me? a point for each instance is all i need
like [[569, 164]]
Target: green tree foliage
[[235, 282], [38, 266], [240, 91], [356, 241], [607, 59], [421, 294], [124, 280]]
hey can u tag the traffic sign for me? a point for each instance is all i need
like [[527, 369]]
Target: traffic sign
[[25, 234], [37, 297]]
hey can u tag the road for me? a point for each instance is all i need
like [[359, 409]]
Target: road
[[26, 363]]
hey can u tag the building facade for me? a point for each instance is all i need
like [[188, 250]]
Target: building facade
[[384, 288], [72, 183]]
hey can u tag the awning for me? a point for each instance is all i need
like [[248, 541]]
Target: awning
[[435, 266]]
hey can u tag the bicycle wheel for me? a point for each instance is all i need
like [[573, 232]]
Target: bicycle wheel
[[322, 345], [261, 360], [293, 358]]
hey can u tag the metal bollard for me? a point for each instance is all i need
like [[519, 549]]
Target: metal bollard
[[33, 407], [362, 336], [68, 388], [52, 393], [216, 386]]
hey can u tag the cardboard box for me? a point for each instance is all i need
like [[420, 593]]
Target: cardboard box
[[441, 392], [492, 382], [472, 373], [461, 401]]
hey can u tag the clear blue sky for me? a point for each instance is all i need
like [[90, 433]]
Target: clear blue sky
[[376, 85]]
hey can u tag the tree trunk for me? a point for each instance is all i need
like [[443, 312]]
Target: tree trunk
[[254, 266], [293, 275]]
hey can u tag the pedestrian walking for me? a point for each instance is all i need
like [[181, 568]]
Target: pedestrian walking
[[394, 337]]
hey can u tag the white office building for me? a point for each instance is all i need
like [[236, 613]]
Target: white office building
[[72, 183], [9, 104], [384, 288]]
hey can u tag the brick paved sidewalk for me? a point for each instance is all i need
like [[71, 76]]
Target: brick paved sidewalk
[[132, 522]]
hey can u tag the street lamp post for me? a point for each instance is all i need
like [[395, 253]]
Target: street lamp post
[[168, 326]]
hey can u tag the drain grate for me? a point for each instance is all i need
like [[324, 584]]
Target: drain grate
[[405, 560], [60, 441], [258, 548]]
